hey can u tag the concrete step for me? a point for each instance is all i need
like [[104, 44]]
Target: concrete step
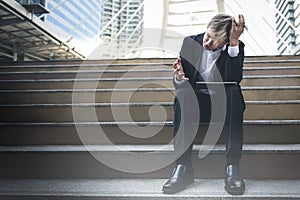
[[95, 133], [280, 70], [276, 57], [249, 61], [133, 71], [143, 161], [150, 82], [272, 110], [160, 111], [87, 95], [271, 80], [99, 83], [87, 66], [61, 96], [271, 92], [25, 69], [272, 61], [136, 189], [109, 73], [71, 63]]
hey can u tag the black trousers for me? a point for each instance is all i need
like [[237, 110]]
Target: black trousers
[[192, 106]]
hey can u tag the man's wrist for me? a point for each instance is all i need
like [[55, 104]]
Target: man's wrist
[[233, 43]]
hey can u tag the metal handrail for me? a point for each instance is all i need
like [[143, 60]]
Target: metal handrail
[[283, 17], [296, 29]]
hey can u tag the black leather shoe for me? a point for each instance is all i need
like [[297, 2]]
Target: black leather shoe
[[234, 184], [180, 179]]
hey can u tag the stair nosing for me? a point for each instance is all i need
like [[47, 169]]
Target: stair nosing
[[87, 65], [218, 148], [273, 61], [91, 104], [143, 188], [271, 102], [140, 123], [132, 79], [88, 90], [270, 68], [85, 71], [138, 89], [269, 76], [80, 71], [270, 87], [88, 79], [83, 64]]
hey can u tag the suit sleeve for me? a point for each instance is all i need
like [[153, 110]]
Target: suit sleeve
[[233, 68]]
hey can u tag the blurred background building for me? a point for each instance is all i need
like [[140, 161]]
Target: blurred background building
[[122, 24]]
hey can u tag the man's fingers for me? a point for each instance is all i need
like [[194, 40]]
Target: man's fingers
[[181, 73], [177, 64], [241, 25], [181, 76], [176, 67], [241, 20], [179, 70]]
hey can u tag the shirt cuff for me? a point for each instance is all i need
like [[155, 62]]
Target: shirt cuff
[[233, 51]]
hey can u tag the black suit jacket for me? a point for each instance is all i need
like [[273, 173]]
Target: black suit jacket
[[230, 68]]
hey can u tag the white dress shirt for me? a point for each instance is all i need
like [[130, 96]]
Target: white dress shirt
[[208, 62]]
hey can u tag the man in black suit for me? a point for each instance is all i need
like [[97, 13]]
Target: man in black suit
[[214, 56]]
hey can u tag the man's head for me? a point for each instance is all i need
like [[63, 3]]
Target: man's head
[[218, 32]]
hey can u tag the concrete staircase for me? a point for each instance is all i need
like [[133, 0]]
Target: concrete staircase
[[63, 131]]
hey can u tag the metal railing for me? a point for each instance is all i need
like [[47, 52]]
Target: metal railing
[[292, 49]]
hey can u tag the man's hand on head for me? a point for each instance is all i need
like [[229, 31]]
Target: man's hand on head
[[236, 30]]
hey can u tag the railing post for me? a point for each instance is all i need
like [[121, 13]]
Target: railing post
[[164, 24], [221, 7]]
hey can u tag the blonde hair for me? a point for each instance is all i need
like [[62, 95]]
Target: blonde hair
[[220, 26]]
